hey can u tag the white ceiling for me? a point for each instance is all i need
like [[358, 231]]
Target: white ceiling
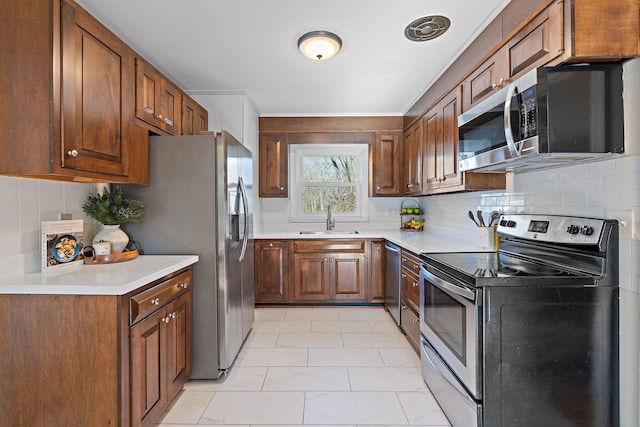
[[250, 46]]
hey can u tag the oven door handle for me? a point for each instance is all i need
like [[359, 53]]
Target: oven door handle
[[463, 292]]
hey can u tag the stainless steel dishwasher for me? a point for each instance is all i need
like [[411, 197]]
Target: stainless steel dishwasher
[[392, 281]]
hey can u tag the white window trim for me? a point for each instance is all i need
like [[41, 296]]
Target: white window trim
[[298, 151]]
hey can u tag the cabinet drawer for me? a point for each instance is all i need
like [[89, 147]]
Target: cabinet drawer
[[328, 245], [410, 288], [146, 302], [410, 262], [410, 324]]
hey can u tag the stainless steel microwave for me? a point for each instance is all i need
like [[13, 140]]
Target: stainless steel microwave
[[546, 118]]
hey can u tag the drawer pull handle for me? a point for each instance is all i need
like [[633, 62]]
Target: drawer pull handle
[[155, 301]]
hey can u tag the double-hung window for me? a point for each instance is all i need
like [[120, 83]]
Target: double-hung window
[[328, 173]]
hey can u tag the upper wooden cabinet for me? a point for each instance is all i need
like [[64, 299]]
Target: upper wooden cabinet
[[441, 173], [195, 118], [77, 122], [273, 166], [383, 135], [387, 160], [536, 44], [441, 141], [413, 154], [158, 101]]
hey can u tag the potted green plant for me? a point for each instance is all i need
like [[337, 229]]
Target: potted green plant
[[112, 209]]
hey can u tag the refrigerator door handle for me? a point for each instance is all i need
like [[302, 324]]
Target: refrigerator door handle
[[245, 207]]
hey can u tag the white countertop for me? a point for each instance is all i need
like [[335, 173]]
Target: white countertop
[[417, 242], [107, 279]]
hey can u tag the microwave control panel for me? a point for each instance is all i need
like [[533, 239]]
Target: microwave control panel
[[528, 113]]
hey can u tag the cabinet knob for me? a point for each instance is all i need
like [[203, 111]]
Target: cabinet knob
[[166, 319], [409, 185], [271, 245], [416, 284], [155, 301], [159, 117], [404, 275], [415, 320], [184, 285], [281, 188], [73, 153], [378, 187], [173, 315]]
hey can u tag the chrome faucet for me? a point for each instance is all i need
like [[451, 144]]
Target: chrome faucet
[[331, 222]]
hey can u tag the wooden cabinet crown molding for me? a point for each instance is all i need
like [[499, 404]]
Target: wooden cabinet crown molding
[[305, 125]]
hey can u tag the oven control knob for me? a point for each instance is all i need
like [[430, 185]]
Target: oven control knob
[[511, 224], [503, 222], [586, 230], [573, 229]]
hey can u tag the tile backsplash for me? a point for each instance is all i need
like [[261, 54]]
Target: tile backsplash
[[597, 189], [27, 202]]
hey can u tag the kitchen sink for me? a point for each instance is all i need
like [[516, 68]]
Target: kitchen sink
[[329, 232]]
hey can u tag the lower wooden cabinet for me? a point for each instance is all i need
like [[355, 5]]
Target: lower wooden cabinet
[[410, 324], [321, 271], [410, 297], [329, 270], [271, 271], [160, 360], [376, 271], [95, 360]]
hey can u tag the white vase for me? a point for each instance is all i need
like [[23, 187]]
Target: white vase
[[114, 234]]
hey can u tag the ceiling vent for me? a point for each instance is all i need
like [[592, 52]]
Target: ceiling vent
[[427, 28]]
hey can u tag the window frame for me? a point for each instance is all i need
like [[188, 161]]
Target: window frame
[[296, 154]]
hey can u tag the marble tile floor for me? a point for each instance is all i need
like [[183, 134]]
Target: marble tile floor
[[321, 366]]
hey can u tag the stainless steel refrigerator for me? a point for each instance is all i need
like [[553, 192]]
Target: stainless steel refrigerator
[[199, 201]]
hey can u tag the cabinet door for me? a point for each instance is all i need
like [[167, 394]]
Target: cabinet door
[[449, 175], [170, 107], [158, 101], [348, 276], [273, 166], [311, 276], [433, 146], [387, 166], [413, 154], [96, 86], [148, 361], [179, 343], [538, 43], [148, 82], [488, 78], [376, 271], [271, 273], [195, 118]]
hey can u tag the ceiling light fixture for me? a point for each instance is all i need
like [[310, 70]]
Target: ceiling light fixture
[[319, 45]]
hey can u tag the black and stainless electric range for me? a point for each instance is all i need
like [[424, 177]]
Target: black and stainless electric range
[[527, 335]]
